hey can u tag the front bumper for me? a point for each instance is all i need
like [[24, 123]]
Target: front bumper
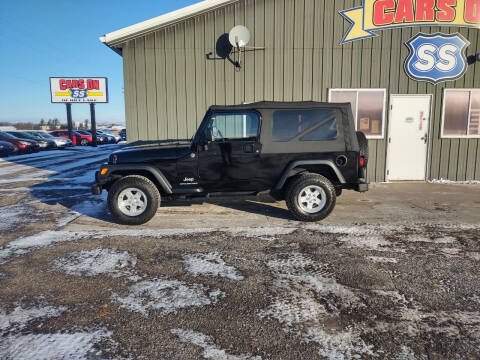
[[96, 189]]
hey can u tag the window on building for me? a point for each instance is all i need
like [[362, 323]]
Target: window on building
[[234, 126], [368, 107], [461, 113], [316, 125]]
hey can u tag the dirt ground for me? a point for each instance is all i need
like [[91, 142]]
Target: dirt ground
[[391, 274]]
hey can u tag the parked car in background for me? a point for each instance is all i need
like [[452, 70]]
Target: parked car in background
[[7, 149], [44, 143], [109, 132], [62, 143], [111, 139], [123, 134], [78, 139], [100, 138], [24, 146]]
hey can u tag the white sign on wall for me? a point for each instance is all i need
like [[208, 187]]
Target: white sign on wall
[[78, 90]]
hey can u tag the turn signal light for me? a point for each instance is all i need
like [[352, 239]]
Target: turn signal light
[[104, 171], [362, 161]]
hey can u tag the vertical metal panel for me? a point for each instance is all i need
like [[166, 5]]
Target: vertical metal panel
[[200, 83], [219, 65], [151, 85], [298, 46], [141, 86], [259, 56], [161, 82], [229, 71], [130, 90], [173, 84], [279, 60], [240, 73], [269, 49], [307, 91], [190, 75], [249, 63], [170, 65]]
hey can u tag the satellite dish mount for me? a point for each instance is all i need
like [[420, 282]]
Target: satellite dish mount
[[239, 38]]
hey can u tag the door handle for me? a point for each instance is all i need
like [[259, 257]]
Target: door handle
[[249, 148]]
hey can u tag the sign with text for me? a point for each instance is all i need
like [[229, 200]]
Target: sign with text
[[376, 15], [78, 90]]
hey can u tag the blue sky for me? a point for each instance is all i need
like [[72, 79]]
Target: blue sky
[[39, 39]]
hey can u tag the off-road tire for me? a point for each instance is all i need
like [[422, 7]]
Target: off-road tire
[[139, 182], [84, 142], [363, 143], [298, 184]]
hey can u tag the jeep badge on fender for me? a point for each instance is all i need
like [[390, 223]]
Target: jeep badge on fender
[[436, 57]]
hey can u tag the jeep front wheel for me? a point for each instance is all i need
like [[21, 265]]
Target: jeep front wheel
[[133, 200], [311, 197]]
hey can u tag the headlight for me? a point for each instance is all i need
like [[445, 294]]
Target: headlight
[[25, 143], [2, 147]]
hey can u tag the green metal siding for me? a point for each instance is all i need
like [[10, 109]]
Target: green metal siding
[[169, 83]]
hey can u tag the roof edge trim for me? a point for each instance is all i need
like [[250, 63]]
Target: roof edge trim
[[119, 36]]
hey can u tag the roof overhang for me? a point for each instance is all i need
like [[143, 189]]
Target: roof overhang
[[115, 39]]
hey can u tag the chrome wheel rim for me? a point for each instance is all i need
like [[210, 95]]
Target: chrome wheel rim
[[312, 199], [132, 202], [84, 142]]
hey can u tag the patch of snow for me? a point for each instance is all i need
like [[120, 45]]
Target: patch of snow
[[12, 216], [405, 354], [262, 233], [210, 350], [166, 296], [92, 208], [339, 344], [306, 298], [95, 262], [352, 230], [75, 346], [373, 242], [19, 317], [210, 264], [449, 182], [382, 260], [299, 283]]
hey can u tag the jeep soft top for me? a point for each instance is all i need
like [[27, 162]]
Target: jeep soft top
[[303, 152]]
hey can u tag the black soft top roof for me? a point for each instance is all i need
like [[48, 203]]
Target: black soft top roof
[[281, 105]]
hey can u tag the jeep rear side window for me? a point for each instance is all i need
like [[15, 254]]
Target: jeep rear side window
[[316, 125], [234, 126]]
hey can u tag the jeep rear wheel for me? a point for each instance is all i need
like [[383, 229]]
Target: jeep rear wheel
[[311, 197], [133, 200]]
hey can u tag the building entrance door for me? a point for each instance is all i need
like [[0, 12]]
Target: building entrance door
[[408, 137]]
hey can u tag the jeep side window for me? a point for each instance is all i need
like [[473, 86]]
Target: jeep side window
[[314, 125], [233, 126]]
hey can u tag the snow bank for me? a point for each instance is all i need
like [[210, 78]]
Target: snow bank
[[19, 317], [75, 346], [262, 233], [449, 182], [166, 296], [210, 264], [210, 350], [95, 262]]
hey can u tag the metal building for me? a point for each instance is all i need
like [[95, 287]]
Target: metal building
[[173, 73]]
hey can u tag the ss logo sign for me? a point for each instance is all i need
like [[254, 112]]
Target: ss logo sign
[[437, 57]]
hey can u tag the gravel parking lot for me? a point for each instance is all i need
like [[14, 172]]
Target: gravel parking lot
[[392, 274]]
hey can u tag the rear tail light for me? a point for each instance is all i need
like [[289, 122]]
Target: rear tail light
[[362, 161]]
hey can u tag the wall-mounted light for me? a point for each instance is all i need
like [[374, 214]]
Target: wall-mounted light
[[472, 59]]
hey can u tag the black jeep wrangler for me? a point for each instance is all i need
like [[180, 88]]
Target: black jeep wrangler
[[304, 153]]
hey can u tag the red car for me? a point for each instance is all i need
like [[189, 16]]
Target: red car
[[24, 146], [78, 139]]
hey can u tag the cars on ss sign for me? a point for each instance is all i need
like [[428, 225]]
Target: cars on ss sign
[[61, 143], [43, 143], [7, 149], [78, 139], [24, 146]]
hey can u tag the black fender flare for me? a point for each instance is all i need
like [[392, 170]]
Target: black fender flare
[[294, 164], [156, 173]]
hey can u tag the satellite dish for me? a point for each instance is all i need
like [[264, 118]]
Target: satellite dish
[[239, 36]]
